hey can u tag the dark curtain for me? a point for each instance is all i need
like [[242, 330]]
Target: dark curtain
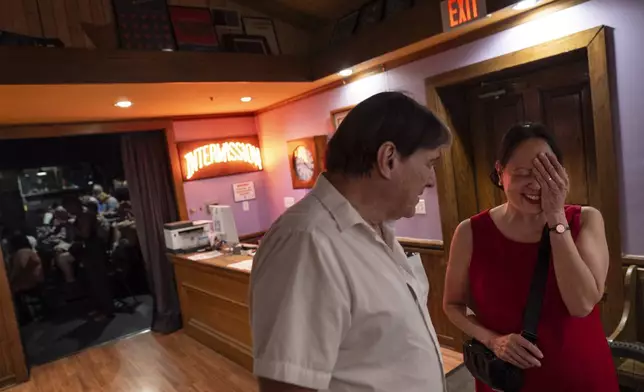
[[147, 171]]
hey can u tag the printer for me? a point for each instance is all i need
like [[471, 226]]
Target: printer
[[187, 236]]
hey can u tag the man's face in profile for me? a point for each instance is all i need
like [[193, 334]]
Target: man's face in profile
[[410, 176]]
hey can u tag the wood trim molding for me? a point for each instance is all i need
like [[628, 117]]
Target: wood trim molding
[[606, 158], [419, 243], [78, 129], [637, 260], [557, 47], [594, 43]]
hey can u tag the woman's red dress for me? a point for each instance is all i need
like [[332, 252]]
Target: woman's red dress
[[576, 353]]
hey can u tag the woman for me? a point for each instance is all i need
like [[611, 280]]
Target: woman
[[492, 259], [26, 268]]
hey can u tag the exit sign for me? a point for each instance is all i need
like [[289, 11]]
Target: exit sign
[[456, 13]]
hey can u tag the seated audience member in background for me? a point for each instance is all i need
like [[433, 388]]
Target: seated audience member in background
[[26, 268], [493, 257], [336, 305]]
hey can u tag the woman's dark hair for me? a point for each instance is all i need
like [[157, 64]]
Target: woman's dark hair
[[518, 134], [19, 241], [384, 117]]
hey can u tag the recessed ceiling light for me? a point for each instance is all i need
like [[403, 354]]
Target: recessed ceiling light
[[525, 4], [246, 99], [346, 72], [123, 103]]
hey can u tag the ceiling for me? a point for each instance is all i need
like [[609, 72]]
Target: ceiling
[[38, 104], [326, 9]]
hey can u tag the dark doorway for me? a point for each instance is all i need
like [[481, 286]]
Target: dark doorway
[[77, 276]]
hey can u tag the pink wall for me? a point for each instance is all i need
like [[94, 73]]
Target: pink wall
[[311, 116], [201, 192]]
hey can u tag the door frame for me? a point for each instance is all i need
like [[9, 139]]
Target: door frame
[[7, 313], [456, 165], [13, 341]]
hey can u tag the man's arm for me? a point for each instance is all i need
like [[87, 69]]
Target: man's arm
[[300, 311], [266, 385]]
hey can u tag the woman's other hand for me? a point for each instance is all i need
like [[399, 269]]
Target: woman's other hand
[[516, 350], [554, 183]]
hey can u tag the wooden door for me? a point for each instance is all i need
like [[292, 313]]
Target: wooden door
[[559, 97], [12, 362]]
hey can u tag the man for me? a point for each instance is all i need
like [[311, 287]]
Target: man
[[335, 303]]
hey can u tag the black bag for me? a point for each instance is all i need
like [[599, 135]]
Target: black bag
[[482, 362]]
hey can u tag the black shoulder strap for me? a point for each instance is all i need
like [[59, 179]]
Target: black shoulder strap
[[532, 310]]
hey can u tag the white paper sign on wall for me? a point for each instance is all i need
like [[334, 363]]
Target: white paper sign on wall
[[243, 191]]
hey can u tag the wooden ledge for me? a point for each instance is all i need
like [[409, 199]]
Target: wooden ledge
[[27, 65], [418, 243]]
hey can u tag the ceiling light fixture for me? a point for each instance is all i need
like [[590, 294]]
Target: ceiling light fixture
[[123, 103], [41, 174], [525, 4], [346, 72], [246, 99]]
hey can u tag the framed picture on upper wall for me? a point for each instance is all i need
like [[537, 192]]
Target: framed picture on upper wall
[[338, 115], [193, 28], [263, 27], [227, 21], [143, 25]]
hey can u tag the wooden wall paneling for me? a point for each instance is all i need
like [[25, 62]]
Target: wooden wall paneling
[[5, 17], [26, 65], [77, 36], [62, 27], [445, 171], [47, 18], [98, 14], [606, 164], [177, 178], [108, 11], [16, 21], [13, 368], [32, 15], [85, 13]]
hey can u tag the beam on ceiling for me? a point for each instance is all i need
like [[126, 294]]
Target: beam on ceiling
[[277, 10], [28, 65]]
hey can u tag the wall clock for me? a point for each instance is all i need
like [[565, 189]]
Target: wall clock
[[306, 159]]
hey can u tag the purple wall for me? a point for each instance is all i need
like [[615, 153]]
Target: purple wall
[[201, 192], [311, 116]]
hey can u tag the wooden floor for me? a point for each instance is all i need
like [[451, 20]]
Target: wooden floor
[[152, 363]]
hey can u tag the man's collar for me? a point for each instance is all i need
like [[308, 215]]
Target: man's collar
[[338, 206]]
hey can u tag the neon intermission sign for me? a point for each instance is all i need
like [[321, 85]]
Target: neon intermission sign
[[215, 158]]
